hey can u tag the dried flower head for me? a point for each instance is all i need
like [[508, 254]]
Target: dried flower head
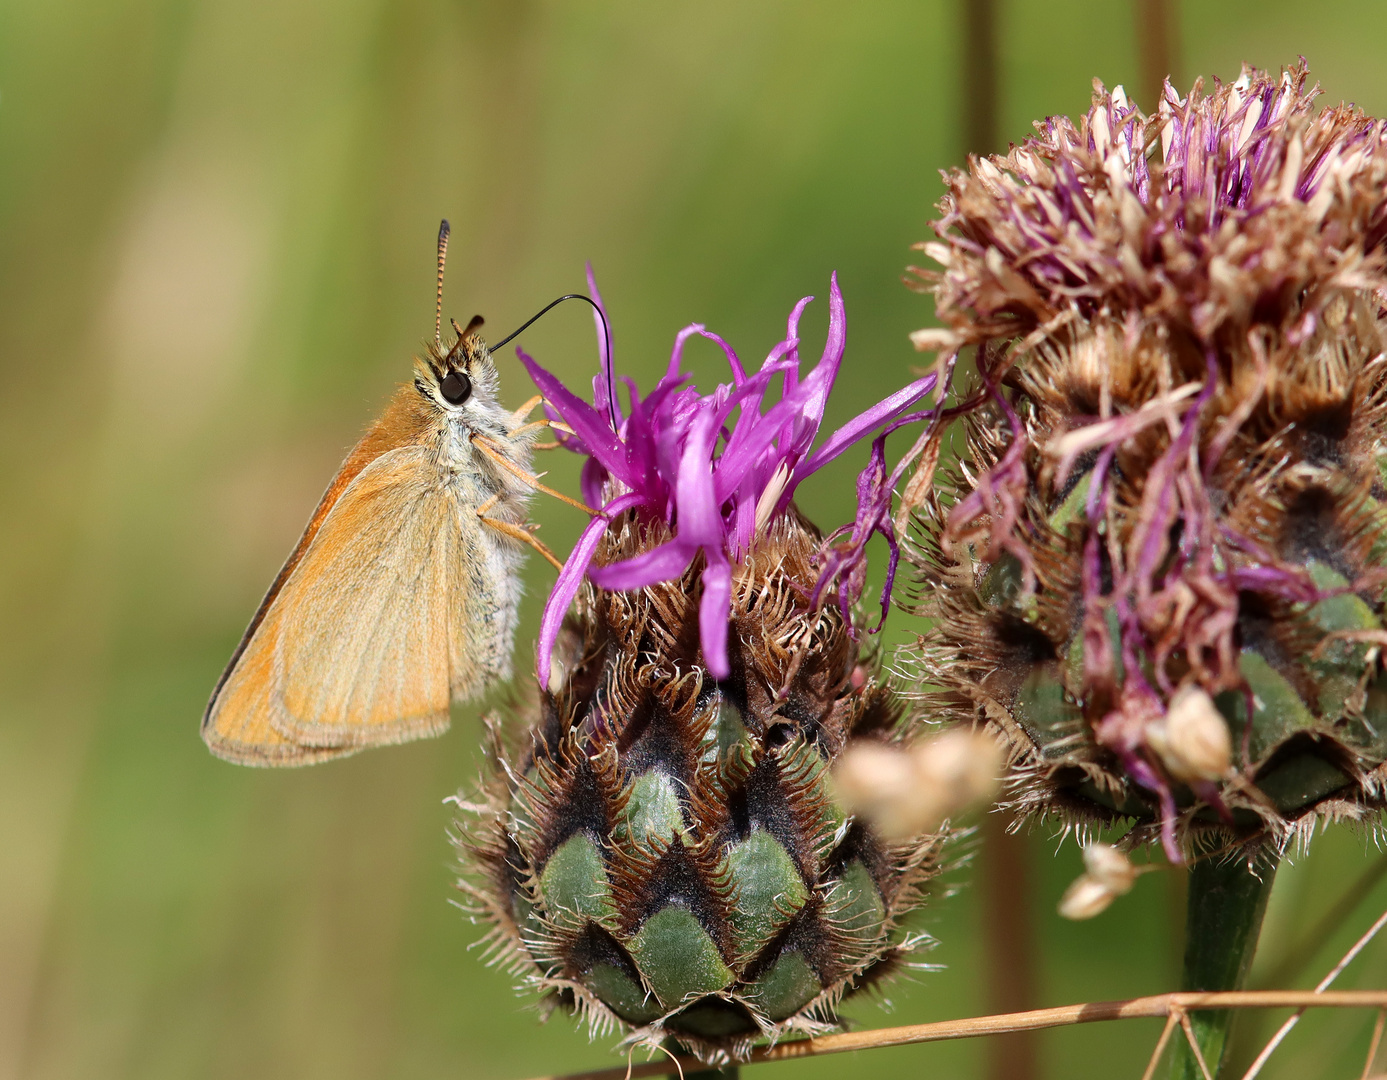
[[1158, 566], [661, 849]]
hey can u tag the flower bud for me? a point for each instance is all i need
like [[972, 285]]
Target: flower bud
[[961, 766], [1110, 867], [878, 782], [907, 792], [1192, 738], [1108, 874], [1085, 898]]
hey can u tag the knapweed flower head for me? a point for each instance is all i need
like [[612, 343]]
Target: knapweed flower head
[[716, 469], [662, 849], [1159, 566]]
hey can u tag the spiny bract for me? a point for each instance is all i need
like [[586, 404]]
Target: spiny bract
[[660, 849], [1158, 567]]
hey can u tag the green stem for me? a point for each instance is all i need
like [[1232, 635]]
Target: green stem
[[1224, 916]]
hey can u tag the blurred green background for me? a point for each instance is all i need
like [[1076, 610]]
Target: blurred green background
[[216, 258]]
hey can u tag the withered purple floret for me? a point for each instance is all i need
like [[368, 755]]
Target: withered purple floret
[[1184, 312]]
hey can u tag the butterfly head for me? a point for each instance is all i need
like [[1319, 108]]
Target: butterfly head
[[461, 381]]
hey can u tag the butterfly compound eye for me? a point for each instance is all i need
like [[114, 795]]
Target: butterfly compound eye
[[456, 388]]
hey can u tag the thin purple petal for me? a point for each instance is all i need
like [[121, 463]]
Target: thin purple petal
[[565, 589], [863, 423], [605, 395], [661, 563], [587, 423], [714, 611], [733, 361]]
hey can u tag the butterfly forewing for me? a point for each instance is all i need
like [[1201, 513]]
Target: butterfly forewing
[[370, 612], [388, 609]]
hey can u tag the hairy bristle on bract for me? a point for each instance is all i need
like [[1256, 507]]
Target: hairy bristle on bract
[[1171, 484]]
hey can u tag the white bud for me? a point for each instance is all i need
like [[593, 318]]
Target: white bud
[[962, 766], [1085, 898], [906, 792], [1192, 738], [1110, 868], [558, 672], [1108, 874], [878, 782], [934, 339]]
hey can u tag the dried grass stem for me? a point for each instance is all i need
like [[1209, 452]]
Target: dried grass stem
[[1158, 1005]]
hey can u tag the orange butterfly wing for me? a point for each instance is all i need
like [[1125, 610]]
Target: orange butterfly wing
[[353, 645], [385, 611]]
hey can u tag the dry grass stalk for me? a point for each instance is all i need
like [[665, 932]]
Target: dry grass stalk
[[1172, 1006], [1324, 984]]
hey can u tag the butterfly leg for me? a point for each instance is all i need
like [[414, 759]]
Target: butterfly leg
[[516, 532], [535, 425], [487, 447], [519, 415]]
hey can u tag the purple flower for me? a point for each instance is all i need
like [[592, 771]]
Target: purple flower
[[716, 468]]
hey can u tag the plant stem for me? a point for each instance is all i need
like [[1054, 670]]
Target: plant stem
[[1224, 917], [1158, 48], [1009, 948], [980, 82]]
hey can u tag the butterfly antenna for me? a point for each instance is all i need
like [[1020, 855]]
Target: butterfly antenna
[[443, 231], [606, 334]]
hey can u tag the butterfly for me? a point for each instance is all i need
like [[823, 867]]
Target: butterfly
[[402, 595]]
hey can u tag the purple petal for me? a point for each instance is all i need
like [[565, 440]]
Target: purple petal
[[699, 520], [738, 372], [714, 611], [754, 432], [571, 577], [565, 589], [676, 356], [567, 441], [863, 423], [604, 396], [587, 423], [591, 481], [661, 563], [792, 343], [820, 381]]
